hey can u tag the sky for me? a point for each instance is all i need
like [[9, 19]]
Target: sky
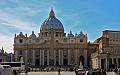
[[89, 16]]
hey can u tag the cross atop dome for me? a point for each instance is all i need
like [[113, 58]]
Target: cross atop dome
[[52, 14]]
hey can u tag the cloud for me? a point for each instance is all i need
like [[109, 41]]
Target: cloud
[[7, 43], [8, 23], [14, 18], [10, 20]]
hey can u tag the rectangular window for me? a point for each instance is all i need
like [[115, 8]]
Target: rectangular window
[[20, 52], [115, 61]]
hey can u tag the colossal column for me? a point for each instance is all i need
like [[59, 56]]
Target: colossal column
[[47, 57], [43, 57], [26, 59], [33, 59], [69, 57], [59, 57], [40, 57]]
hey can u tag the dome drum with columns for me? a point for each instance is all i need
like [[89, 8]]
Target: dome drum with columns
[[51, 46]]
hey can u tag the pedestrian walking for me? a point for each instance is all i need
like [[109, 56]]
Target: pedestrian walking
[[75, 72], [26, 71], [14, 71], [19, 71], [59, 72]]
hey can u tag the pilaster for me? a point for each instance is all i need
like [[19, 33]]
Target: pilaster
[[54, 57]]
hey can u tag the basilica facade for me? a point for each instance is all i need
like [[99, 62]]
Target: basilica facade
[[52, 46]]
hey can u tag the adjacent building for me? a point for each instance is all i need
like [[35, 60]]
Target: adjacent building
[[2, 55], [6, 57], [108, 54], [52, 46]]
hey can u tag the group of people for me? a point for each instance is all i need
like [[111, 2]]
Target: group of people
[[92, 72], [101, 72], [98, 72], [15, 72]]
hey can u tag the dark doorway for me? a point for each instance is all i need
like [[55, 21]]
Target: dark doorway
[[51, 62], [118, 62], [65, 62], [37, 62], [57, 63], [0, 60], [45, 63], [81, 59], [103, 63], [20, 58]]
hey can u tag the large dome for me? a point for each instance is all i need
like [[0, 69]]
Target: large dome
[[52, 23]]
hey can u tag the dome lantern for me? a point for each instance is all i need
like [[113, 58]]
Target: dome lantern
[[52, 14]]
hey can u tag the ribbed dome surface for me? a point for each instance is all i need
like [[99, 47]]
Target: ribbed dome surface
[[52, 23]]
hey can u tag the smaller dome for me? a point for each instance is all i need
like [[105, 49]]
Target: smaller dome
[[70, 34], [20, 35], [81, 34], [32, 35]]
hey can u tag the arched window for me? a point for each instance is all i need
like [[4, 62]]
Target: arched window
[[56, 34], [20, 52], [29, 41], [45, 41], [56, 40], [81, 40], [21, 40]]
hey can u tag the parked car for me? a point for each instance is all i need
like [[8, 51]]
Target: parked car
[[81, 72], [91, 72]]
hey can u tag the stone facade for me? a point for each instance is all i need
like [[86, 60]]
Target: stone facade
[[52, 46], [108, 54]]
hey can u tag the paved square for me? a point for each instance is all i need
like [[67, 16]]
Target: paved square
[[56, 73], [49, 73]]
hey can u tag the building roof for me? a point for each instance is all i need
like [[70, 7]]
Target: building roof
[[111, 31]]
